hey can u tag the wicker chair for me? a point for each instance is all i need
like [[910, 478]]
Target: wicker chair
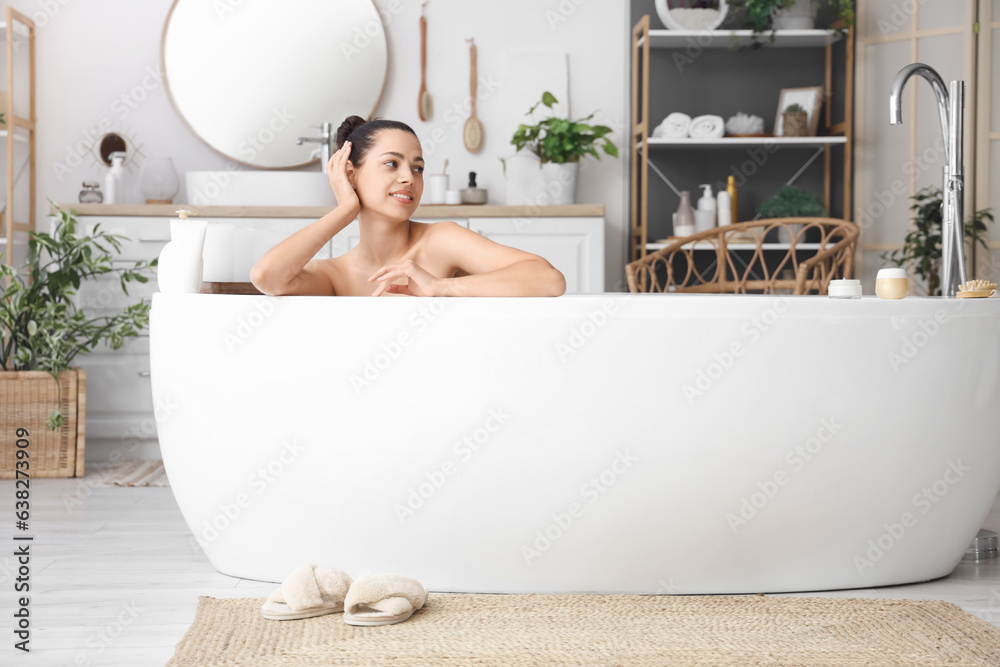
[[673, 269]]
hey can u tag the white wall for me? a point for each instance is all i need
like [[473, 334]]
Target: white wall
[[94, 59]]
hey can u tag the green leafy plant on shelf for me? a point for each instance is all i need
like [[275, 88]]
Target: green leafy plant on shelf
[[562, 140], [921, 250], [792, 202], [792, 108], [760, 14], [42, 326]]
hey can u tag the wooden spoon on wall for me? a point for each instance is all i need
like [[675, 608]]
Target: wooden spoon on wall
[[424, 102], [473, 128]]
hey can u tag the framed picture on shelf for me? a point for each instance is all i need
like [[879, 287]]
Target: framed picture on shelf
[[810, 99]]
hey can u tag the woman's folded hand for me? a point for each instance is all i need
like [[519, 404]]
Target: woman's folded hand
[[421, 283]]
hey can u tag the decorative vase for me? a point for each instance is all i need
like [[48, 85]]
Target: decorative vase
[[795, 124], [800, 16], [559, 180], [179, 267], [159, 183], [684, 223]]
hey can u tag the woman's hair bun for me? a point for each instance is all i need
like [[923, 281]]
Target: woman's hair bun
[[344, 131]]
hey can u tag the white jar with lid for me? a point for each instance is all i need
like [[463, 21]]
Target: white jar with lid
[[844, 289]]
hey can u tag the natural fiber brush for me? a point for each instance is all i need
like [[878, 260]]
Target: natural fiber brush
[[976, 286], [977, 289]]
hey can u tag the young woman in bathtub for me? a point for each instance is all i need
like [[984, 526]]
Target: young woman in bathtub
[[377, 176]]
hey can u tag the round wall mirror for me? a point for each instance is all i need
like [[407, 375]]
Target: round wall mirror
[[250, 78]]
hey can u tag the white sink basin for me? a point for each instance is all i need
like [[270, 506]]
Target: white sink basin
[[259, 188]]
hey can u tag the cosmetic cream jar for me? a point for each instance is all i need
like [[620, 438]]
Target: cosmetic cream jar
[[453, 197], [844, 289], [891, 283]]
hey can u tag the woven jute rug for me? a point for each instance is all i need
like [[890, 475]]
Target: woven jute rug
[[132, 472], [528, 630]]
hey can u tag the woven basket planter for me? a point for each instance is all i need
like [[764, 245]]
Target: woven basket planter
[[795, 124], [26, 398]]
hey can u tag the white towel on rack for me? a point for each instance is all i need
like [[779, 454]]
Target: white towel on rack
[[674, 126], [708, 127]]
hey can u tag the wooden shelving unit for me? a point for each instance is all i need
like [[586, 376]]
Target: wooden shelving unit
[[18, 27], [835, 135]]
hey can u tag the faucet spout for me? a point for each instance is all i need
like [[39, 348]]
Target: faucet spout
[[325, 140], [951, 105], [937, 85]]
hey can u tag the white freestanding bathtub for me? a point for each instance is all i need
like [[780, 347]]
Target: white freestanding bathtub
[[628, 443]]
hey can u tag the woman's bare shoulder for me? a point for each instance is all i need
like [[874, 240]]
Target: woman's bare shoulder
[[332, 268], [444, 227]]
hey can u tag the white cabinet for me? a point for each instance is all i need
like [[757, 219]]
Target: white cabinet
[[575, 246]]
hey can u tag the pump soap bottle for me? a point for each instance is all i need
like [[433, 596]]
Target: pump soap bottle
[[705, 216], [472, 194], [114, 182], [180, 264]]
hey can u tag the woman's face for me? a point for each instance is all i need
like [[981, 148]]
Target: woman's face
[[390, 179]]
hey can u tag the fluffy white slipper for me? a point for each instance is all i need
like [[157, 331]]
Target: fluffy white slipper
[[382, 599], [308, 591]]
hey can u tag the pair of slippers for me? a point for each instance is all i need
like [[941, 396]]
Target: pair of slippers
[[374, 599]]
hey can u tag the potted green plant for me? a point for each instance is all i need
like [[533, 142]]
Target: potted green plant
[[792, 202], [794, 121], [43, 328], [921, 250], [559, 144], [764, 15]]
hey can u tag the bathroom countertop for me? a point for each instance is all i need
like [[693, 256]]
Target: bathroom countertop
[[430, 211]]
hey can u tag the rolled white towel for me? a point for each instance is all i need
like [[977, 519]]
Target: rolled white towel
[[707, 127], [674, 126]]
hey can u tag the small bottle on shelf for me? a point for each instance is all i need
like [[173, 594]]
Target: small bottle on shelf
[[684, 220], [114, 181], [91, 193], [734, 198], [724, 208]]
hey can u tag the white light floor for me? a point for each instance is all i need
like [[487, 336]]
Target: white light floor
[[116, 580]]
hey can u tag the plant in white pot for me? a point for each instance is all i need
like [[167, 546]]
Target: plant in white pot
[[762, 15], [559, 144]]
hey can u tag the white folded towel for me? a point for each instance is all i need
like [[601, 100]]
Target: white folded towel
[[674, 126], [707, 127]]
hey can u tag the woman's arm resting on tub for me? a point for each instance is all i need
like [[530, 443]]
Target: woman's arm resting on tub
[[288, 268], [494, 269]]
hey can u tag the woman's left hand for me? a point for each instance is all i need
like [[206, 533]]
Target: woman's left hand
[[421, 283]]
